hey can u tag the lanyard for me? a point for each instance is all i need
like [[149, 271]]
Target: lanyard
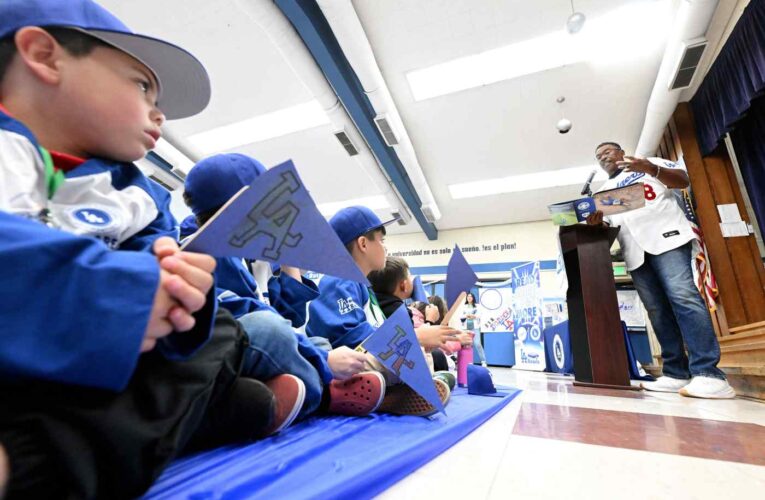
[[375, 304], [53, 178]]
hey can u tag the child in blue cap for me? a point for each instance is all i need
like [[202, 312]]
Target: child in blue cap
[[275, 345], [113, 354], [346, 312]]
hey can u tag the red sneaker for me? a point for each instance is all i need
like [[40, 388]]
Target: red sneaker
[[358, 396], [289, 392]]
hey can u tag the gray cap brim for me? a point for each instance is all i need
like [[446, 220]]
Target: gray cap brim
[[184, 86]]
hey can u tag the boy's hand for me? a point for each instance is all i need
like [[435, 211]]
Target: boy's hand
[[466, 339], [435, 336], [345, 362], [431, 313], [191, 278], [292, 272], [166, 316]]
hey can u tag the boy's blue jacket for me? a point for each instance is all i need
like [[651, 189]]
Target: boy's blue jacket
[[343, 313], [75, 298]]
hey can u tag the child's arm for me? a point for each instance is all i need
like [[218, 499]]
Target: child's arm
[[434, 336], [72, 310], [338, 314], [291, 297]]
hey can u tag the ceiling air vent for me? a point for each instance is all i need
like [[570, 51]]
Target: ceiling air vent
[[346, 143], [383, 125], [400, 219], [689, 62], [431, 212]]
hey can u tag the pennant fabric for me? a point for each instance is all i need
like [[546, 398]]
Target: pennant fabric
[[459, 277], [418, 291], [276, 220], [395, 345]]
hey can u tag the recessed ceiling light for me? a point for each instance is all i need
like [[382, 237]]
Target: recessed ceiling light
[[260, 128], [378, 202], [525, 182], [616, 36]]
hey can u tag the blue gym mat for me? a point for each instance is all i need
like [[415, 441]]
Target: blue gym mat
[[329, 456]]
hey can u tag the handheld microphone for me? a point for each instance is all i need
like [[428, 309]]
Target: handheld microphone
[[586, 189]]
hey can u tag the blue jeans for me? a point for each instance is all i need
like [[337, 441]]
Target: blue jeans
[[274, 351], [478, 347], [678, 314]]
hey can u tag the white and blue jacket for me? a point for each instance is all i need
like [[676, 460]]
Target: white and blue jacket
[[76, 294], [345, 313]]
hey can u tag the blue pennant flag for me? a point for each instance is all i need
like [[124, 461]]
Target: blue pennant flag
[[395, 345], [418, 291], [459, 277], [275, 219]]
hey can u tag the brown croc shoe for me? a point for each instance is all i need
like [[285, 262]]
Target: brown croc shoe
[[400, 399]]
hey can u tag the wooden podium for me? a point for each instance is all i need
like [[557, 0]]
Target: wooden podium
[[595, 329]]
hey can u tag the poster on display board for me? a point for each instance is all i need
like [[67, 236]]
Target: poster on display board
[[527, 317], [629, 308], [495, 308]]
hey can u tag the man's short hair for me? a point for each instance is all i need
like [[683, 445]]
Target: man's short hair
[[608, 143], [370, 235], [76, 43], [387, 279]]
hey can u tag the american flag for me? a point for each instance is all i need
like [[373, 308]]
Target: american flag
[[702, 271]]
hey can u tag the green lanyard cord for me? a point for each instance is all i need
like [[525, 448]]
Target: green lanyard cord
[[53, 178], [373, 300]]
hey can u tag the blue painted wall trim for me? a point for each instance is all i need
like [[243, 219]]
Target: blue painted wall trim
[[544, 265], [313, 28]]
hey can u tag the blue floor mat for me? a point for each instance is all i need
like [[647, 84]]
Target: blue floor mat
[[328, 457]]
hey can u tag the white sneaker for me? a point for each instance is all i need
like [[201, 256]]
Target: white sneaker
[[665, 384], [708, 388]]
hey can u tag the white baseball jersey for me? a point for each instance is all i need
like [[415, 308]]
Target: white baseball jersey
[[656, 228]]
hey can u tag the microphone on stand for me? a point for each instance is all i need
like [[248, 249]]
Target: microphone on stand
[[586, 189]]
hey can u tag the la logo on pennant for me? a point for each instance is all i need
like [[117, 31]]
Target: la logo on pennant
[[273, 217]]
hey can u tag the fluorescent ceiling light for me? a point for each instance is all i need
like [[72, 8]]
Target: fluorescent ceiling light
[[261, 128], [617, 35], [170, 154], [379, 202], [526, 182]]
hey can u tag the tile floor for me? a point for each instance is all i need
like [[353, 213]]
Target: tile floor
[[559, 441]]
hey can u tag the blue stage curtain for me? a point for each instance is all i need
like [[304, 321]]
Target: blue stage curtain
[[748, 138], [736, 78]]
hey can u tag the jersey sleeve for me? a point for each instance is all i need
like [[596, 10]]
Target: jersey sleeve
[[73, 311], [338, 314], [291, 298]]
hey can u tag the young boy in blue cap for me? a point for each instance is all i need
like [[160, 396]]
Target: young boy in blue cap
[[112, 358], [275, 347], [346, 312]]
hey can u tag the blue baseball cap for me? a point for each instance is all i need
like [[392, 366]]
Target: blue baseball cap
[[184, 86], [214, 180], [480, 382], [352, 222]]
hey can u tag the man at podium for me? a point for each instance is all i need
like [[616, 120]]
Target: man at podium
[[656, 240]]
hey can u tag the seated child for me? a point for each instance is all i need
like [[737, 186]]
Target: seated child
[[275, 347], [112, 360], [392, 285], [346, 312]]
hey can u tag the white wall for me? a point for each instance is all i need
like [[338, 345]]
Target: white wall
[[500, 246]]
